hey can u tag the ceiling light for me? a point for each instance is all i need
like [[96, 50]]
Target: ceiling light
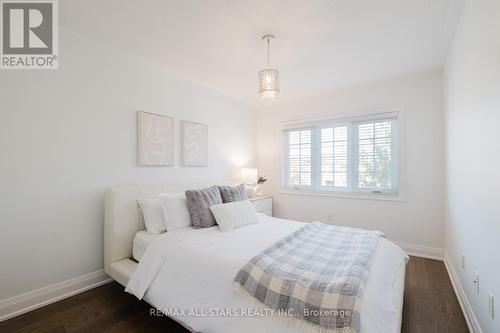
[[269, 84]]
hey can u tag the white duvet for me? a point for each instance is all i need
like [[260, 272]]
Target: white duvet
[[188, 274]]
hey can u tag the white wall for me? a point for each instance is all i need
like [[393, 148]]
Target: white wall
[[473, 161], [419, 219], [67, 135]]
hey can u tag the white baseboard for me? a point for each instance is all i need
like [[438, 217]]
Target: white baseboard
[[469, 315], [35, 299], [422, 251]]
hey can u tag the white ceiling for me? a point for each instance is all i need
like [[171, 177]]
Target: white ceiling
[[321, 45]]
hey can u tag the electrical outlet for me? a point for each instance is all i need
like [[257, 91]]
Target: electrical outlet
[[329, 218], [476, 281], [491, 305], [463, 262]]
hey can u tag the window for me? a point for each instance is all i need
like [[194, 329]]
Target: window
[[334, 157], [353, 155], [299, 160], [375, 158]]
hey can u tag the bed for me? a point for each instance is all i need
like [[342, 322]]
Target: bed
[[141, 242], [175, 272]]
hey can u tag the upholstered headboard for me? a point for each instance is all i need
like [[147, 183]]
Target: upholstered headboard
[[122, 222]]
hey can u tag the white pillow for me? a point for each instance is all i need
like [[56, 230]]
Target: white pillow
[[175, 210], [153, 215], [234, 214]]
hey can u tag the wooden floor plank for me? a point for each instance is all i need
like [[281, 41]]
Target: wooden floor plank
[[430, 306]]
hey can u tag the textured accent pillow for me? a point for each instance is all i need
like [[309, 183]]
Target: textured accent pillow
[[175, 210], [234, 214], [233, 193], [153, 215], [199, 202]]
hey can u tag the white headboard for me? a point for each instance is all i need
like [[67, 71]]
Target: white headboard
[[122, 222]]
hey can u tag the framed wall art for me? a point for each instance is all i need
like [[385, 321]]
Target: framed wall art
[[194, 144], [155, 139]]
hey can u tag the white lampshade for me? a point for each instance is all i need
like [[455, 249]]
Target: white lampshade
[[249, 176], [269, 84]]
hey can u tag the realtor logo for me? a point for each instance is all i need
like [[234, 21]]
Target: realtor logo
[[29, 34]]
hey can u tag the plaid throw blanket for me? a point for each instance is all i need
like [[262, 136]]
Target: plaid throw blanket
[[313, 278]]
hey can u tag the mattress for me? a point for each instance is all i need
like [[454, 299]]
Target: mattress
[[199, 276], [142, 239]]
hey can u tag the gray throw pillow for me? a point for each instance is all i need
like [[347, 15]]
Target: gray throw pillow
[[233, 193], [199, 202]]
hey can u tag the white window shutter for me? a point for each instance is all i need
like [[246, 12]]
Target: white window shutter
[[352, 155]]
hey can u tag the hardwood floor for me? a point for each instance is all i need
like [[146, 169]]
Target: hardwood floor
[[430, 306]]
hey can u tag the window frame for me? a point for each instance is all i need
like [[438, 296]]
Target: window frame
[[352, 190], [286, 156], [318, 186]]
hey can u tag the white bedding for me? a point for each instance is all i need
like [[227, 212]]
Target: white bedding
[[194, 269], [142, 239]]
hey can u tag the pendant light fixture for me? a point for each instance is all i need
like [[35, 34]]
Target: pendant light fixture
[[269, 84]]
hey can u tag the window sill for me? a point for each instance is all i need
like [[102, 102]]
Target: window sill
[[345, 195]]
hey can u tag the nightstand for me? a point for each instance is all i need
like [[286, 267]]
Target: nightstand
[[263, 204]]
